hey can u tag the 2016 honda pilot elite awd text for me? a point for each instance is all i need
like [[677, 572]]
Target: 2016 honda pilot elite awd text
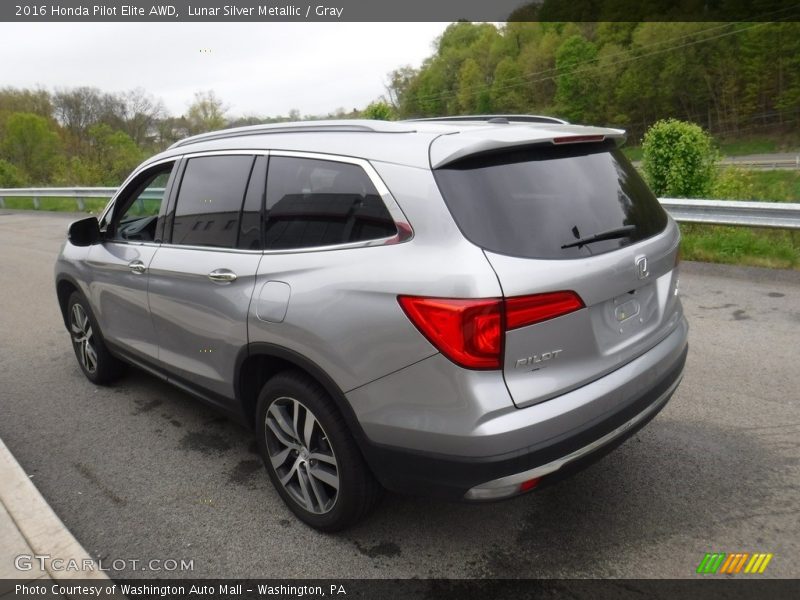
[[464, 308]]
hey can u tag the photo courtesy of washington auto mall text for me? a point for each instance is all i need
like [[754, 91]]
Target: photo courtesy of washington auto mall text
[[200, 589]]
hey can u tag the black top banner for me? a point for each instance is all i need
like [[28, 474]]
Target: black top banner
[[393, 11]]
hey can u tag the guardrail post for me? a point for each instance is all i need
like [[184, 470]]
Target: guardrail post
[[36, 203], [81, 204], [2, 202]]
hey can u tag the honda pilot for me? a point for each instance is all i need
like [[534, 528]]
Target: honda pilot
[[465, 308]]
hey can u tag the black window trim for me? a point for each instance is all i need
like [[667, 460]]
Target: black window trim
[[110, 213], [167, 241]]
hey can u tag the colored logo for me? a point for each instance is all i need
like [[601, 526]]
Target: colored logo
[[733, 563]]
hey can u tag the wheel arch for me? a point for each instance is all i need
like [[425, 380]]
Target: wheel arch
[[258, 362], [65, 286]]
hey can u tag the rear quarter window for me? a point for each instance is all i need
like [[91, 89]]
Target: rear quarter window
[[315, 203], [532, 201]]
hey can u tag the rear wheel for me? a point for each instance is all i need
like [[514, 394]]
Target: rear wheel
[[310, 455], [94, 359]]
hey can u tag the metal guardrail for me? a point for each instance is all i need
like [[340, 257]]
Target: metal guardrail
[[79, 194], [766, 164], [782, 215], [758, 164]]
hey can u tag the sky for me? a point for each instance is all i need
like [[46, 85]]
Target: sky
[[257, 69]]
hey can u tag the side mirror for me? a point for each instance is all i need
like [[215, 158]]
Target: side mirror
[[84, 232]]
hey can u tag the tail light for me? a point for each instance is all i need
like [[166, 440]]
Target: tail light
[[470, 332], [527, 310]]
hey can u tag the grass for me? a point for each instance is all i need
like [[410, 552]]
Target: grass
[[774, 248], [752, 146], [92, 205], [634, 153], [778, 186]]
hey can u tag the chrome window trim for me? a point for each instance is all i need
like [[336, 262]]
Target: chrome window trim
[[400, 221], [399, 218]]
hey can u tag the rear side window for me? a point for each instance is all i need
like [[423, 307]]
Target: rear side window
[[210, 199], [531, 202], [322, 203]]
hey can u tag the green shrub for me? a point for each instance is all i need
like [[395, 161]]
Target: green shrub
[[10, 176], [732, 183], [379, 110], [678, 159]]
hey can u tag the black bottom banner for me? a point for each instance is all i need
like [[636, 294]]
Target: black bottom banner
[[455, 589]]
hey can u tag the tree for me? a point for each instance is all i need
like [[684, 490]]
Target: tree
[[576, 92], [10, 176], [399, 84], [679, 159], [379, 110], [141, 113], [37, 102], [79, 108], [507, 95], [206, 113], [32, 146], [471, 85], [112, 156]]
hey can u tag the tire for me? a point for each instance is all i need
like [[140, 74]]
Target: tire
[[94, 359], [317, 470]]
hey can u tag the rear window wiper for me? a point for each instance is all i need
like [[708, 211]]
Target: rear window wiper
[[611, 234]]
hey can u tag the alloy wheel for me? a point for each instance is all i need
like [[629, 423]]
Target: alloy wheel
[[83, 338], [301, 455]]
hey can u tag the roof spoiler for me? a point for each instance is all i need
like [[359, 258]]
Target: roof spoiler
[[499, 119], [447, 149]]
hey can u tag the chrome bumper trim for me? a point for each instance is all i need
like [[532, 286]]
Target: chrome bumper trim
[[509, 485]]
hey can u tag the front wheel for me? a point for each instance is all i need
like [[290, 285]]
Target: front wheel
[[310, 455], [94, 359]]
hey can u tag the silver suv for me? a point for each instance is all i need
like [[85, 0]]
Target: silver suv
[[461, 308]]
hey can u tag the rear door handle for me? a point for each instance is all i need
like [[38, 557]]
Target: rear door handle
[[137, 267], [222, 276]]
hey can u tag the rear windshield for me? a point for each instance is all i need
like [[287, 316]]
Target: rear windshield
[[532, 201]]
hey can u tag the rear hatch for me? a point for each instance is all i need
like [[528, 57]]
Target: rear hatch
[[569, 216]]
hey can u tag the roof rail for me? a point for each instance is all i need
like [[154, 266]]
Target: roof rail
[[498, 119], [295, 127]]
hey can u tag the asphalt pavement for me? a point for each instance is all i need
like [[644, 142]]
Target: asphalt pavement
[[142, 472]]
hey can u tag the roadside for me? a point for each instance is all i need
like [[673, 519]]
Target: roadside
[[140, 471], [36, 544], [738, 180]]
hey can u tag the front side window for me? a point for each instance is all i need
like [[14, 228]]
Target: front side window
[[209, 204], [314, 203], [140, 206]]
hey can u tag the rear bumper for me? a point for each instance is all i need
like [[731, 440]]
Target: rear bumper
[[640, 388]]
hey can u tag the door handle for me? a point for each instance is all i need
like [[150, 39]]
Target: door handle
[[137, 267], [222, 276]]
